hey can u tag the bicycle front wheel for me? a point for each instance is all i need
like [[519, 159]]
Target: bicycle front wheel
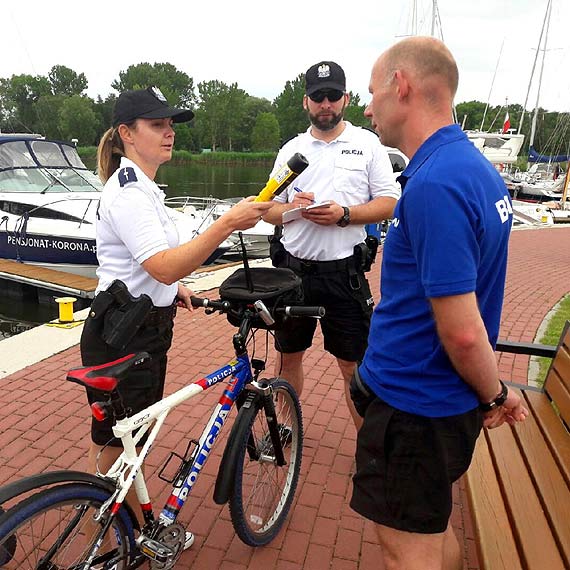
[[55, 529], [263, 491]]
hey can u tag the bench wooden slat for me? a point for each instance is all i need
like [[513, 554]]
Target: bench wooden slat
[[561, 362], [496, 544], [557, 382], [549, 483], [552, 429], [530, 525]]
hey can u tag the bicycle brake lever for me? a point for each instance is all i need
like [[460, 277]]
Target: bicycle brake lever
[[264, 313]]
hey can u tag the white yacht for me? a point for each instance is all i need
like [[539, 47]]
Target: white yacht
[[48, 206]]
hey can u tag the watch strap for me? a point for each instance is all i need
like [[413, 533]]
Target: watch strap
[[498, 401], [344, 220]]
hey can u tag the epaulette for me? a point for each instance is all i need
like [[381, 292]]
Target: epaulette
[[370, 129], [127, 175], [287, 140]]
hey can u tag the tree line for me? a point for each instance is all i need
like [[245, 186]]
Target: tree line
[[227, 118]]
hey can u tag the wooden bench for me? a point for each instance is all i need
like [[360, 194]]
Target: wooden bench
[[518, 484]]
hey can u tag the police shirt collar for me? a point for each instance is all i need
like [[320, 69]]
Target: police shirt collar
[[343, 137]]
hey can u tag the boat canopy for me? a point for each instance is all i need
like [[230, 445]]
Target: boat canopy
[[29, 164], [534, 156]]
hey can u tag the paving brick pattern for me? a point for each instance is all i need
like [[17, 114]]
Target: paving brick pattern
[[44, 425]]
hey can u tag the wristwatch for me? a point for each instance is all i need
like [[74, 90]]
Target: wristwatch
[[345, 219], [497, 402]]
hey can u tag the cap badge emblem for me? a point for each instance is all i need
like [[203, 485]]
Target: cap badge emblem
[[158, 94], [323, 71]]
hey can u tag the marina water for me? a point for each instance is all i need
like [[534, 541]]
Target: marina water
[[220, 181]]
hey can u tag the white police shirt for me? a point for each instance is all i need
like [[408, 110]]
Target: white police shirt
[[133, 225], [352, 169]]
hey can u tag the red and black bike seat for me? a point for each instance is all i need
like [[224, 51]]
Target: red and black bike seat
[[106, 377]]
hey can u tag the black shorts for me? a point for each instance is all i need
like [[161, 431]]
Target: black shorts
[[406, 464], [345, 324], [144, 386]]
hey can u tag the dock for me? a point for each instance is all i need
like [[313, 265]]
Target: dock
[[52, 279]]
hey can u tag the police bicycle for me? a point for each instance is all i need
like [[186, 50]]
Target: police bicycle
[[76, 520]]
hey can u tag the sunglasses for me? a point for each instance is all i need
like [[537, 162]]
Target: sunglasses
[[333, 95]]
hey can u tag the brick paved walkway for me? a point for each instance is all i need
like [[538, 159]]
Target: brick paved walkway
[[44, 426]]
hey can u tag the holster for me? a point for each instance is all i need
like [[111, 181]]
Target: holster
[[125, 314], [277, 251], [365, 253]]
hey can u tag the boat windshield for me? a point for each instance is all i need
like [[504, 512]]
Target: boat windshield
[[43, 166]]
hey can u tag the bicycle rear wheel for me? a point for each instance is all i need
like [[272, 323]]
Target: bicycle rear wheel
[[263, 491], [55, 530]]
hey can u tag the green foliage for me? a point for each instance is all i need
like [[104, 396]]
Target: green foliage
[[78, 120], [552, 335], [227, 118], [20, 95], [65, 81], [48, 108], [265, 135], [176, 86], [354, 113], [289, 108]]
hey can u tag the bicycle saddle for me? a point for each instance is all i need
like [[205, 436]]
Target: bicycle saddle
[[105, 377]]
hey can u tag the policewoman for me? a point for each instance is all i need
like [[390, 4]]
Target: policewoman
[[140, 256]]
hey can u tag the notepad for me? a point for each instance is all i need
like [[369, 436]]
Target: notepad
[[296, 213]]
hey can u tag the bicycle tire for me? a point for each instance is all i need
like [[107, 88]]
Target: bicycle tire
[[9, 547], [263, 491], [62, 513]]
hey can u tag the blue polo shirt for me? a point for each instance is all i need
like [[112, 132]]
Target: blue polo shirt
[[449, 236]]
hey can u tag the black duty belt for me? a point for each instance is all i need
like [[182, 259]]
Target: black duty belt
[[160, 315], [315, 267]]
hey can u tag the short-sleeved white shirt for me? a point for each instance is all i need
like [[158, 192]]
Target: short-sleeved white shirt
[[133, 225], [352, 169]]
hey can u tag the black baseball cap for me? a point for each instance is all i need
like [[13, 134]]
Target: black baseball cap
[[325, 75], [147, 103]]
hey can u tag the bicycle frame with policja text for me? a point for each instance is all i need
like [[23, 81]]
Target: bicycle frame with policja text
[[127, 468]]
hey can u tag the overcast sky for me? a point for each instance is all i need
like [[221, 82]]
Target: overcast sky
[[260, 44]]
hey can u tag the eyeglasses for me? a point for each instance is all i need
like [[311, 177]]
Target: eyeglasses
[[333, 95]]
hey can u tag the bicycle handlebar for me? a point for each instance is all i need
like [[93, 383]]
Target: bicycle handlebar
[[302, 311], [222, 306], [290, 311]]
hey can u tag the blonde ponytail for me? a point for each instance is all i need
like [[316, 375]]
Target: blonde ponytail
[[109, 153]]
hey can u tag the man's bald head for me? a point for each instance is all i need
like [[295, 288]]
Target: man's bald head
[[425, 58]]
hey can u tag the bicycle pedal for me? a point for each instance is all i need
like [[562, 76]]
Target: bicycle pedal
[[155, 550]]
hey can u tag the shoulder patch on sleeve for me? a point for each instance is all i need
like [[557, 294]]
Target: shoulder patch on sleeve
[[127, 175]]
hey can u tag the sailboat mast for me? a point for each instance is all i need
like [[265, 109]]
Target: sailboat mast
[[492, 83], [535, 116], [534, 66]]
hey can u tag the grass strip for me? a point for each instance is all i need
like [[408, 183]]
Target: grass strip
[[552, 335]]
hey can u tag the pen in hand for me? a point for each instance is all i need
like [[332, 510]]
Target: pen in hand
[[297, 189]]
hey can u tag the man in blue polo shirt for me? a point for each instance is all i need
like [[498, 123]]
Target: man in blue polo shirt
[[430, 363]]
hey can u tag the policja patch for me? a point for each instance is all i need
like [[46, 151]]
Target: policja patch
[[127, 175]]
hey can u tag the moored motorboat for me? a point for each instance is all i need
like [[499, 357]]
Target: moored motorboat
[[48, 206]]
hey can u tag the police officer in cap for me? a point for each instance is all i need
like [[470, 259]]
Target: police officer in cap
[[138, 247], [350, 169]]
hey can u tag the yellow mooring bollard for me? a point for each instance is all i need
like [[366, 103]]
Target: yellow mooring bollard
[[65, 308]]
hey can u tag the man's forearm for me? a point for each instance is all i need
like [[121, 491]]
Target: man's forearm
[[374, 211], [275, 214]]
